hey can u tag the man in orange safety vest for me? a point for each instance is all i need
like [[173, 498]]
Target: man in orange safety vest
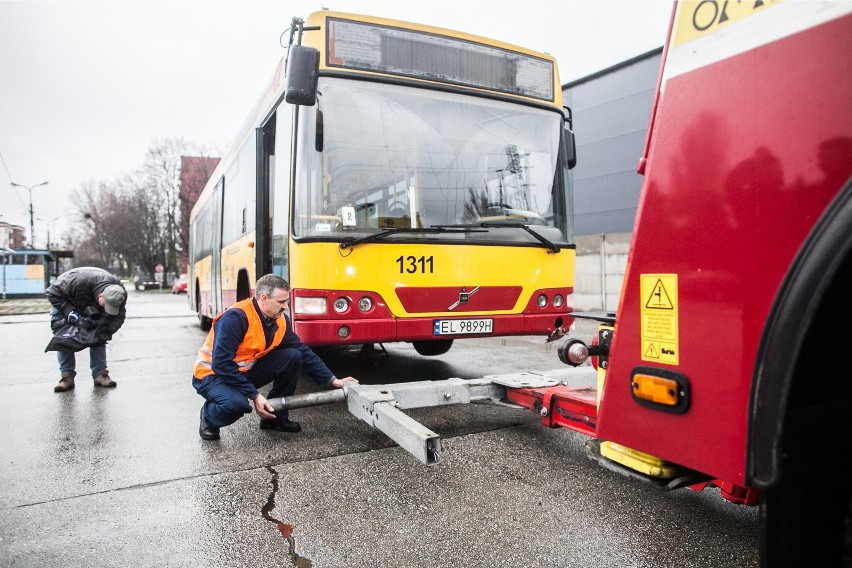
[[252, 344]]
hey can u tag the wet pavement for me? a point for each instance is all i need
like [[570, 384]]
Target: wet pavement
[[119, 477]]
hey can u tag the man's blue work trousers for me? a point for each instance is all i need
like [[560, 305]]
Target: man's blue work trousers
[[226, 404], [97, 360]]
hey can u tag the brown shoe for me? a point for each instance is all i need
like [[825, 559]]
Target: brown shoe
[[66, 383], [103, 380]]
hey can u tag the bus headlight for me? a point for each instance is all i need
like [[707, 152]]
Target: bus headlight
[[365, 304], [557, 301], [541, 301], [341, 305], [309, 305]]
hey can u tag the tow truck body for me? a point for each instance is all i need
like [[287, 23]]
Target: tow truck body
[[728, 360]]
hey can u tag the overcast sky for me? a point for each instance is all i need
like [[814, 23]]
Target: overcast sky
[[86, 87]]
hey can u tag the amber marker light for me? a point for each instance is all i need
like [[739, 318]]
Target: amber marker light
[[656, 389], [660, 389]]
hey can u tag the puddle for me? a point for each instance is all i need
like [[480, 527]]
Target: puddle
[[285, 529]]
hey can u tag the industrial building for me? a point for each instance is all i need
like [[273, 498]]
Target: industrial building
[[611, 110]]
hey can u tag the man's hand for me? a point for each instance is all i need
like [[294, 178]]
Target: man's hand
[[87, 322], [338, 383], [263, 408]]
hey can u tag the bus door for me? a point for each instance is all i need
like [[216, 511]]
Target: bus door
[[264, 185], [278, 190], [216, 260]]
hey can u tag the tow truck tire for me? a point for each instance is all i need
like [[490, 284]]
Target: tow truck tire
[[805, 505], [805, 518], [846, 560], [432, 348]]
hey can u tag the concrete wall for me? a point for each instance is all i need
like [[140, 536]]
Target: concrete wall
[[601, 260]]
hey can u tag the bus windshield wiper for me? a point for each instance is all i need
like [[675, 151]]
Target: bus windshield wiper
[[550, 246], [349, 242]]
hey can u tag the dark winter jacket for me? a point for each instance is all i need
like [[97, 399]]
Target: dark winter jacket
[[78, 290]]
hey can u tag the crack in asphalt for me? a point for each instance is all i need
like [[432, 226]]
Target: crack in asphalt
[[285, 529]]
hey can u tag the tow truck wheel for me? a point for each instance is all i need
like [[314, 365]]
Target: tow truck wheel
[[805, 517], [846, 560], [432, 348]]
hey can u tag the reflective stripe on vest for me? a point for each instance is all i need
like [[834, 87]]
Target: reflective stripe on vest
[[252, 347]]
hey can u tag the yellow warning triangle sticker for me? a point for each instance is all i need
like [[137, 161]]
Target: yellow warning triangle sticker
[[651, 351], [659, 298]]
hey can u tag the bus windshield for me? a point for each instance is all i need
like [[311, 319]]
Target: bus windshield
[[374, 156]]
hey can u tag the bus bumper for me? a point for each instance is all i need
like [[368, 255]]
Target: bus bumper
[[357, 332]]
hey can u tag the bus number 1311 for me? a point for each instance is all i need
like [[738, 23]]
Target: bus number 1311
[[412, 264]]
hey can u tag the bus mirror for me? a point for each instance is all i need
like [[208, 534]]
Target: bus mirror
[[570, 148], [568, 137], [302, 75]]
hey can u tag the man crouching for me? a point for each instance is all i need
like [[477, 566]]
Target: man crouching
[[252, 344]]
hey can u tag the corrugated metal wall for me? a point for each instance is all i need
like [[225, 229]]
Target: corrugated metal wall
[[611, 111]]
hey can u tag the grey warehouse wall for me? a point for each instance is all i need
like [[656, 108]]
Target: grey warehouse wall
[[611, 112]]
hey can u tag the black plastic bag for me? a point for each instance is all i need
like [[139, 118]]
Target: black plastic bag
[[70, 337]]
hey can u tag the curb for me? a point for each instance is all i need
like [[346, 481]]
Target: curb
[[23, 307]]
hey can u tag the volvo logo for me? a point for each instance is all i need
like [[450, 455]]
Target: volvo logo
[[464, 297]]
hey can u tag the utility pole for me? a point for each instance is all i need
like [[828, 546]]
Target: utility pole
[[30, 189]]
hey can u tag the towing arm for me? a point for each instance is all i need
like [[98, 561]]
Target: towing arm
[[382, 406]]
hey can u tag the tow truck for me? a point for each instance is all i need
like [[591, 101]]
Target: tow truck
[[727, 362]]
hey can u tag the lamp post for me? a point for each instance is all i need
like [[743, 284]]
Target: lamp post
[[30, 189], [50, 225]]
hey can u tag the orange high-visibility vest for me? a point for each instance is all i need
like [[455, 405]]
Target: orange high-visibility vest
[[252, 348]]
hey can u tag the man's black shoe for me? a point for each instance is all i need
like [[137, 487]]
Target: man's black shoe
[[205, 430], [281, 426]]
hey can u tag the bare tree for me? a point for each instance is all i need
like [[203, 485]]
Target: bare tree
[[162, 176], [143, 242], [96, 230], [195, 171], [140, 220], [164, 163]]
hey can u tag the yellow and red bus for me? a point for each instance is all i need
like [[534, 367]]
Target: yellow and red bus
[[410, 182]]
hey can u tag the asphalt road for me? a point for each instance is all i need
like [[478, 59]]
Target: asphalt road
[[120, 477]]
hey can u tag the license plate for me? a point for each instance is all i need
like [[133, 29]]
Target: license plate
[[463, 326]]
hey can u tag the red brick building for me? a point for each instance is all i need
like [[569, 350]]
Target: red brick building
[[194, 173], [11, 236]]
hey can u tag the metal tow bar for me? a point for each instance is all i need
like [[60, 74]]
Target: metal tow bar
[[381, 406]]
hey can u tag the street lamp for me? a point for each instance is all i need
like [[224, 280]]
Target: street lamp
[[30, 189], [50, 224]]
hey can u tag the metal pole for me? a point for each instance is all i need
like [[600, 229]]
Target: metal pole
[[309, 399], [603, 272], [30, 189], [32, 222]]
